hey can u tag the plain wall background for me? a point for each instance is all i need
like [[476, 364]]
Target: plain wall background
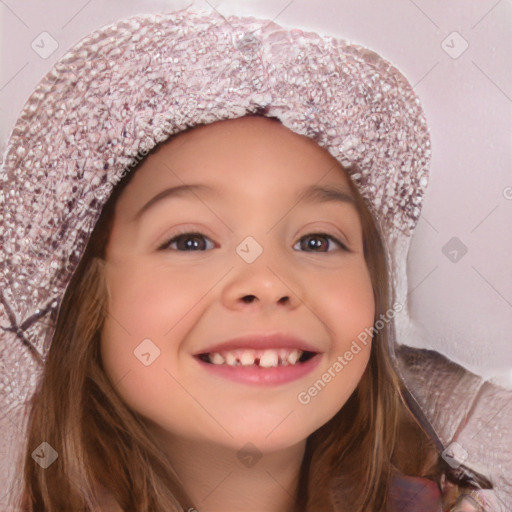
[[461, 308]]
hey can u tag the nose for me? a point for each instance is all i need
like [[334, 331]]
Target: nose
[[248, 299], [260, 284]]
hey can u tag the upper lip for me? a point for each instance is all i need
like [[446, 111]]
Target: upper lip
[[261, 341]]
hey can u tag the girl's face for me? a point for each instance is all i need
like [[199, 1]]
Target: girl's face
[[268, 258]]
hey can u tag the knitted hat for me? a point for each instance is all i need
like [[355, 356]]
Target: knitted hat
[[129, 86]]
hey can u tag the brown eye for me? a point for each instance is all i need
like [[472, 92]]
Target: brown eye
[[186, 242], [315, 241]]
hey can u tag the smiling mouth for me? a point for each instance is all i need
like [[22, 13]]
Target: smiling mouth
[[268, 358]]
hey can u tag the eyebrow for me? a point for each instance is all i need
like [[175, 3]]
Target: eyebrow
[[311, 194], [179, 191]]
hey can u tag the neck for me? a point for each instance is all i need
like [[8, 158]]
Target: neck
[[220, 478]]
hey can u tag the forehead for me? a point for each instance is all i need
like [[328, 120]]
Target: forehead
[[254, 157], [246, 138]]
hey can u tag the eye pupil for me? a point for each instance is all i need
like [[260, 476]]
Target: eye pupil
[[191, 241], [315, 241]]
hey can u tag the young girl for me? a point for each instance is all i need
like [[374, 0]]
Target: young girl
[[221, 209]]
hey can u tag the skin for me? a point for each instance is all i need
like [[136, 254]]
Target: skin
[[185, 300]]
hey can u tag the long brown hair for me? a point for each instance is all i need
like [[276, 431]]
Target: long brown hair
[[103, 444], [351, 457]]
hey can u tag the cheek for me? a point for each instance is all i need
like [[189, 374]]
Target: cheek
[[150, 311], [133, 330], [138, 363], [349, 302], [349, 308], [148, 300]]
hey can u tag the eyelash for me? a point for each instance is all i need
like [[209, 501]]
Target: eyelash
[[165, 245]]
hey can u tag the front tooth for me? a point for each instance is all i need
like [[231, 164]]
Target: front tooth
[[294, 356], [216, 358], [269, 359], [248, 357]]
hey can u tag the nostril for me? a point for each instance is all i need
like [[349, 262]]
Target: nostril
[[249, 298]]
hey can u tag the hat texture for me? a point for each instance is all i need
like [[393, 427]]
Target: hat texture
[[130, 85]]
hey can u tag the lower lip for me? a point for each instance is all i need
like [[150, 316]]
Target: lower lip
[[262, 376]]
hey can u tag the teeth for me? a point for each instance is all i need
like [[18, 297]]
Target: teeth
[[230, 359], [269, 359], [262, 358], [283, 357], [248, 357], [294, 356], [216, 358]]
